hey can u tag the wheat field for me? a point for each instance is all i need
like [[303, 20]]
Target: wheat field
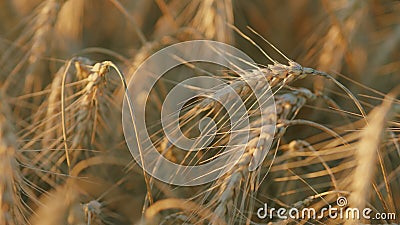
[[333, 68]]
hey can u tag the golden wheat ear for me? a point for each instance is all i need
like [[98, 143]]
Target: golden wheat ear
[[368, 152], [36, 35], [12, 208], [195, 212], [60, 206]]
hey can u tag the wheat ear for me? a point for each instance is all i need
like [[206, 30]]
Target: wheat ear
[[60, 206], [367, 152], [287, 106], [10, 176], [40, 41]]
